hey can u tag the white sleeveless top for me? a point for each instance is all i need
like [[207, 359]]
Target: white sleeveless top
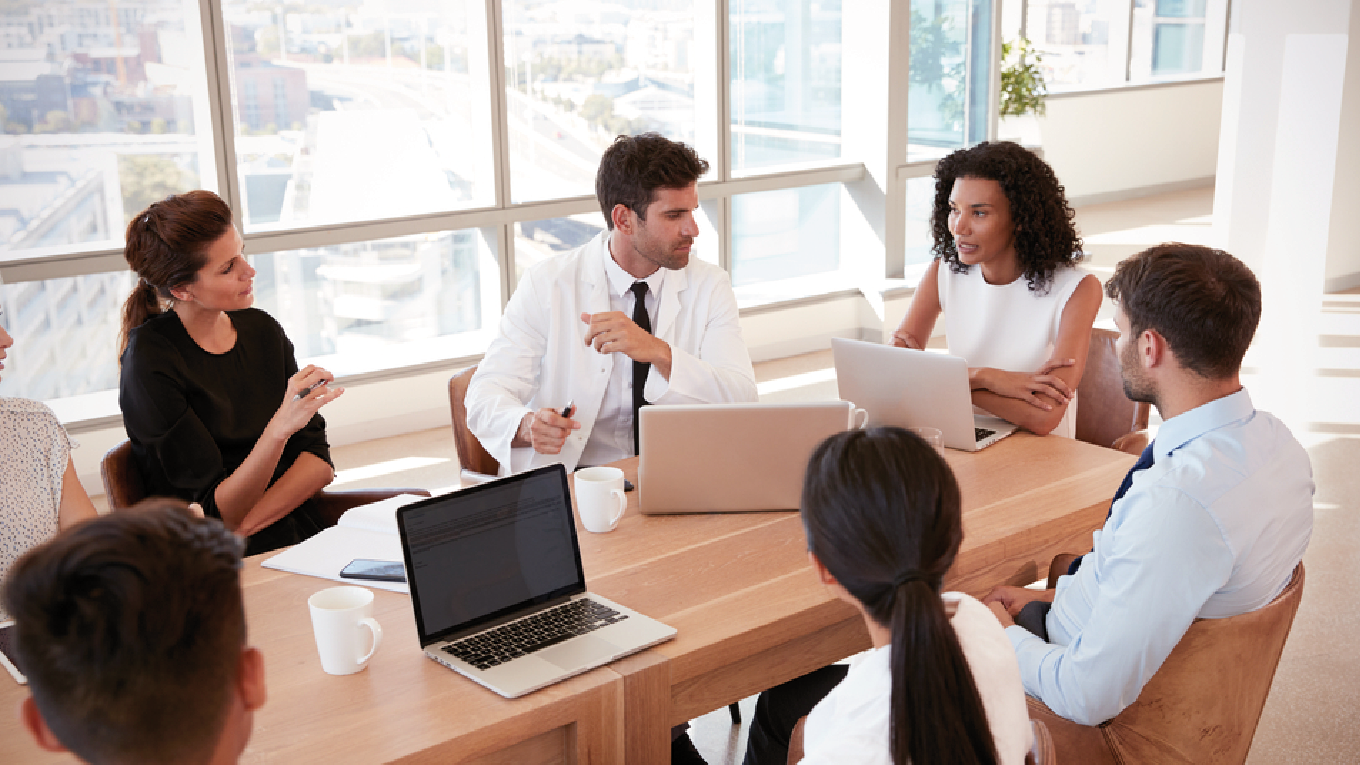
[[1007, 326]]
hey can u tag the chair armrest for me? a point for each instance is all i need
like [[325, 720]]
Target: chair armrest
[[1131, 443], [330, 505]]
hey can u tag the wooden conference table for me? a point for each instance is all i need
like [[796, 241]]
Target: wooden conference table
[[739, 589]]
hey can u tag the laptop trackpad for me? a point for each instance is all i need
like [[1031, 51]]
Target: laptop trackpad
[[583, 651]]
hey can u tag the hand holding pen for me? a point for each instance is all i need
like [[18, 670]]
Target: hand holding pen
[[308, 391], [547, 429]]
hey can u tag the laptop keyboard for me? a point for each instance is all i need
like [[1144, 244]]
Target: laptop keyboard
[[980, 434], [511, 641]]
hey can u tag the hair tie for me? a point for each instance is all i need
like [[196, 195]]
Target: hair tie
[[907, 577]]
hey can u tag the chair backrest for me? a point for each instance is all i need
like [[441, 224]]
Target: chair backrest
[[471, 454], [123, 485], [1042, 753], [1203, 704], [1104, 413]]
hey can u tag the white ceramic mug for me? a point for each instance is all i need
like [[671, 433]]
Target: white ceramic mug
[[599, 498], [862, 415], [340, 618]]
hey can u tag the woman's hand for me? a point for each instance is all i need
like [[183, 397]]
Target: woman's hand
[[1026, 387], [307, 391]]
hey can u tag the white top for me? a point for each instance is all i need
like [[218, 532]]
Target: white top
[[1214, 528], [1007, 326], [35, 451], [539, 357], [851, 723]]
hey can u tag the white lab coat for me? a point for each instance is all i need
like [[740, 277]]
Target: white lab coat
[[539, 357]]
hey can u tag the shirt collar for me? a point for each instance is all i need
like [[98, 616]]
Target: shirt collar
[[1187, 426], [620, 281]]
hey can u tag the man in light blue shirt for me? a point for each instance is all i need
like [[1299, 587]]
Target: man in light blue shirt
[[1212, 527]]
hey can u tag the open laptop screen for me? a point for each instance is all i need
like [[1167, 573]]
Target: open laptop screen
[[490, 550]]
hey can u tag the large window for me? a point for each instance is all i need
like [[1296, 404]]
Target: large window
[[1105, 43], [396, 166]]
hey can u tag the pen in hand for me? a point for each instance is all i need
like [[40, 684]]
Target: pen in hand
[[308, 390], [569, 409]]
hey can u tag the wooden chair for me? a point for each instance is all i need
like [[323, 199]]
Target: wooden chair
[[1202, 705], [478, 465], [1105, 416], [124, 488]]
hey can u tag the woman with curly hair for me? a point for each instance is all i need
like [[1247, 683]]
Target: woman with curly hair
[[1016, 305]]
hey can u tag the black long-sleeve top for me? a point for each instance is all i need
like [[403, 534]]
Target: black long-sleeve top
[[194, 416]]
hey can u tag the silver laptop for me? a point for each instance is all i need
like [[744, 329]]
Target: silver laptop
[[731, 458], [914, 389], [498, 589]]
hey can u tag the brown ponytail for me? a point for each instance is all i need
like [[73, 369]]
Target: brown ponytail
[[166, 247], [883, 514]]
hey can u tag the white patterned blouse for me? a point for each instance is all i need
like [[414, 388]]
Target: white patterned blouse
[[34, 452]]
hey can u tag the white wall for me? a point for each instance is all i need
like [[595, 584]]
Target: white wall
[[1121, 143], [1343, 246]]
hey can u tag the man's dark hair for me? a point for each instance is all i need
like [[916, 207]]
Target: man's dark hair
[[130, 628], [1205, 302], [634, 167], [1046, 237]]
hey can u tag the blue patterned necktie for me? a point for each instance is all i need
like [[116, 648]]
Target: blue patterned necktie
[[1144, 462]]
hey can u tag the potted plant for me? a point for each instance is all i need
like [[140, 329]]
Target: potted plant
[[1023, 91]]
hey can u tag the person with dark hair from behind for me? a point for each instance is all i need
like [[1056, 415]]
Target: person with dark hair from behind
[[1005, 275], [628, 319], [883, 519], [1210, 522], [131, 631], [213, 401]]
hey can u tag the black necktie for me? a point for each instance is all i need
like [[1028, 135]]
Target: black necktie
[[1144, 462], [641, 319]]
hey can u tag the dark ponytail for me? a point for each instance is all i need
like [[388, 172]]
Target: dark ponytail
[[883, 515], [167, 246]]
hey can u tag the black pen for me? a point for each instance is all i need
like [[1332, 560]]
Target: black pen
[[569, 409], [307, 390]]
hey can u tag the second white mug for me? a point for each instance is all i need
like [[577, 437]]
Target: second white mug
[[341, 617], [600, 499]]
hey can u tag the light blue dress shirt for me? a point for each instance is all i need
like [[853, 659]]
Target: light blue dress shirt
[[1213, 529]]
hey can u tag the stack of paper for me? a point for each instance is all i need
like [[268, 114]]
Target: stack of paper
[[366, 531]]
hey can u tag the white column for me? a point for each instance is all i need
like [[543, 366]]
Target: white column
[[1289, 178]]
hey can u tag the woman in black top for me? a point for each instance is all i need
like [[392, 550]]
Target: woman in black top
[[212, 398]]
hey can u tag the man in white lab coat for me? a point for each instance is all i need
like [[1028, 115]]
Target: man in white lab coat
[[573, 333]]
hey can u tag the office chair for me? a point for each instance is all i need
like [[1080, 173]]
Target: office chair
[[1105, 416], [124, 488], [1202, 705], [478, 465]]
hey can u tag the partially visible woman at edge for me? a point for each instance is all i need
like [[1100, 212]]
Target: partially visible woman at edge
[[39, 491], [1016, 305], [941, 684], [214, 404]]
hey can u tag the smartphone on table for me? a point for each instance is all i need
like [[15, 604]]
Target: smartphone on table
[[375, 570]]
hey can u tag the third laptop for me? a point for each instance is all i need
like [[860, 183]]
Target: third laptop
[[914, 389]]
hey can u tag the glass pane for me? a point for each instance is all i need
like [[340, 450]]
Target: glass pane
[[920, 203], [382, 304], [786, 82], [104, 111], [347, 111], [950, 76], [785, 233], [536, 241], [65, 335], [1168, 38], [579, 74], [1075, 41]]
